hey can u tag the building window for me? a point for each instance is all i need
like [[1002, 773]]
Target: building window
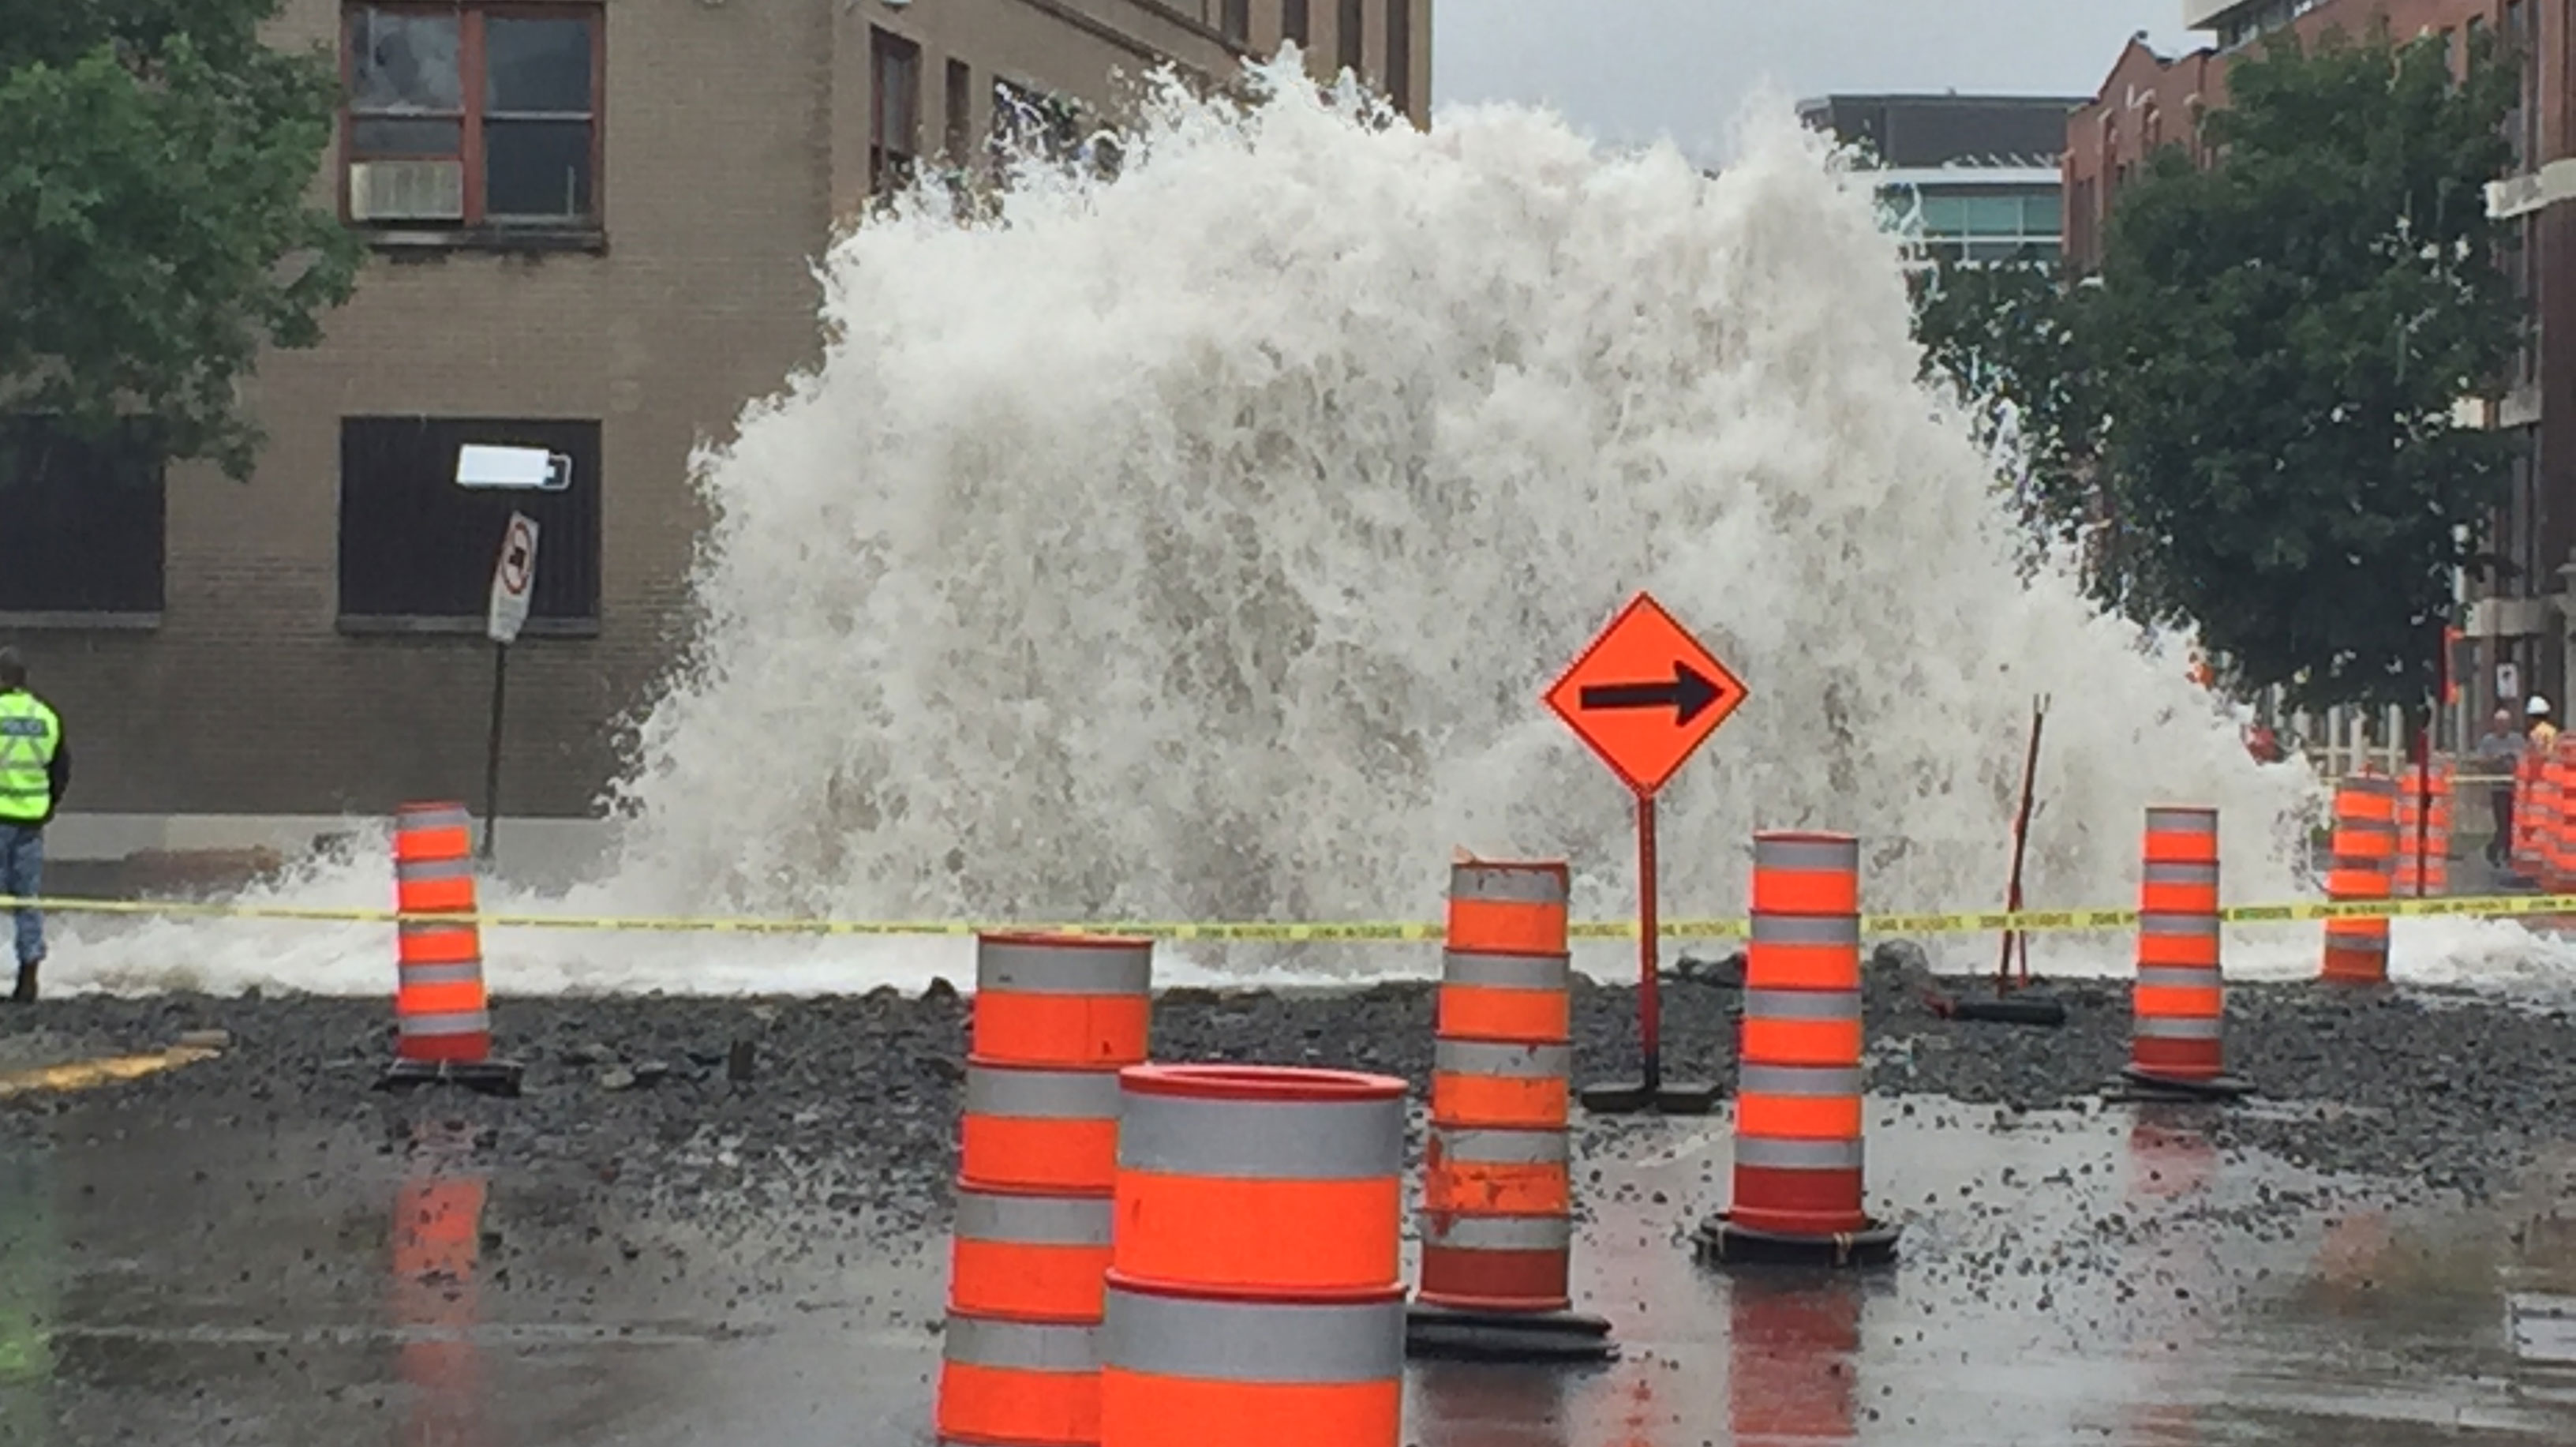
[[1399, 53], [472, 114], [1294, 24], [1350, 33], [1236, 21], [894, 135], [416, 549], [84, 521], [960, 101]]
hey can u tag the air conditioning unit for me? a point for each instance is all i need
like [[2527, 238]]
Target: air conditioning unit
[[407, 191]]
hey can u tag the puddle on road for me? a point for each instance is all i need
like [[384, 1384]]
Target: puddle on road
[[2065, 1278]]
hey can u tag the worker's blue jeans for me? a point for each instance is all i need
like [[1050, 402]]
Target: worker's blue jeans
[[22, 874]]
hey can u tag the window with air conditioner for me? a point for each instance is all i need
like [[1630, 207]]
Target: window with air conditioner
[[472, 115]]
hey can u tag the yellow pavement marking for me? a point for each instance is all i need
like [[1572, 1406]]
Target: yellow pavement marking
[[87, 1074]]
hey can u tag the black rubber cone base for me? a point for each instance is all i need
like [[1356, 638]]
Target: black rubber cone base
[[1506, 1336], [488, 1077], [2021, 1009], [1721, 1242], [2135, 1085], [1631, 1097]]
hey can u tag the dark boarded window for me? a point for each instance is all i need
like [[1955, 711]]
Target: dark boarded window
[[81, 521], [1351, 35], [417, 549]]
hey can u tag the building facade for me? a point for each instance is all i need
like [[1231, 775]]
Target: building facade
[[592, 224], [1980, 174], [2517, 623]]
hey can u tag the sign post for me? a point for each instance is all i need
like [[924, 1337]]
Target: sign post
[[514, 578], [1645, 695]]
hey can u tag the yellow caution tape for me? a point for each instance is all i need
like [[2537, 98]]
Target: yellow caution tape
[[2040, 921]]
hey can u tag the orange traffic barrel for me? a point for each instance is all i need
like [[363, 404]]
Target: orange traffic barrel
[[2363, 868], [1798, 1126], [1497, 1193], [442, 1017], [1019, 1383], [2558, 827], [1067, 1002], [2535, 798], [2177, 1038], [1253, 1294], [1039, 1130], [2424, 823], [1028, 1256]]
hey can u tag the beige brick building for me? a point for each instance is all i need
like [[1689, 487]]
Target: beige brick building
[[592, 226]]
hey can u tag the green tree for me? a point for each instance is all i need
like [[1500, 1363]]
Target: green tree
[[2281, 340], [2009, 338], [156, 160]]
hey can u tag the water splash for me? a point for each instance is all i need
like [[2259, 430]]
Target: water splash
[[1198, 545]]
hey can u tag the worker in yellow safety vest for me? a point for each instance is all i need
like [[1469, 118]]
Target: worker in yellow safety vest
[[35, 769]]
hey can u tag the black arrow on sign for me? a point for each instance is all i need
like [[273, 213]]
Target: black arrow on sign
[[1690, 694]]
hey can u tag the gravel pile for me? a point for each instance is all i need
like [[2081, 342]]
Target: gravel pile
[[850, 1103]]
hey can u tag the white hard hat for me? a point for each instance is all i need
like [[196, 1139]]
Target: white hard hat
[[2536, 706]]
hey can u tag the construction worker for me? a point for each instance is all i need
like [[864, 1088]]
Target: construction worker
[[2543, 733], [2498, 750], [35, 769]]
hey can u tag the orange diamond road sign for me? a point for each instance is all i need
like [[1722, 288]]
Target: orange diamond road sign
[[1645, 695]]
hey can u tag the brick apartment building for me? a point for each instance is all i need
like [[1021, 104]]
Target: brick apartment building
[[2522, 615], [592, 225]]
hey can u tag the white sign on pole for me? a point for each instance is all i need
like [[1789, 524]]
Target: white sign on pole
[[2508, 681], [513, 579]]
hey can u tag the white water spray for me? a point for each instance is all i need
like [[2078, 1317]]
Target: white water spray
[[1198, 545]]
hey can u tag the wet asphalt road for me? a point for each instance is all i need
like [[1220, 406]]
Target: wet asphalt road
[[644, 1251]]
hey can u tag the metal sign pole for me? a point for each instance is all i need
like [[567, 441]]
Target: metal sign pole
[[492, 750]]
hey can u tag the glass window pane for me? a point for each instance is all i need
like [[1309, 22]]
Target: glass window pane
[[1944, 215], [1994, 215], [536, 169], [404, 63], [2043, 215], [537, 65], [371, 136]]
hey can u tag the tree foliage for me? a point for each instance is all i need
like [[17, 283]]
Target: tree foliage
[[2282, 340], [2009, 339], [156, 160]]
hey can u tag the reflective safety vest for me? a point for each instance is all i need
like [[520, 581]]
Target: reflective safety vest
[[29, 734]]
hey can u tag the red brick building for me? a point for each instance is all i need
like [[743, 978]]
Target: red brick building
[[2520, 616]]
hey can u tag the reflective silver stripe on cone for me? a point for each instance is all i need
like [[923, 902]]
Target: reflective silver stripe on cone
[[2179, 1027], [1303, 1140], [1506, 972], [1807, 856], [462, 972], [977, 1341], [1264, 1342], [1033, 1220], [1807, 929], [413, 818], [1821, 1081], [2179, 977], [1487, 884], [1776, 1153], [1501, 1147], [1802, 1004], [2181, 819], [469, 1022], [417, 871], [1502, 1058], [1021, 968], [1448, 1231], [2185, 874], [1042, 1094], [2178, 926]]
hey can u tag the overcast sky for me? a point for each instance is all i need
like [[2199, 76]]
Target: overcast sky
[[1638, 70]]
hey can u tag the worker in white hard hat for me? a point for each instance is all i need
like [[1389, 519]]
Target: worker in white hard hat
[[2544, 734]]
